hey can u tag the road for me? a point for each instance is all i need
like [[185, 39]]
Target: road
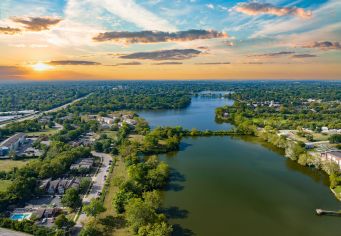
[[36, 115], [98, 183], [7, 232]]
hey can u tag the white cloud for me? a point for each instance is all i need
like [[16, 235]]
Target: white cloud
[[322, 18], [130, 11], [210, 6]]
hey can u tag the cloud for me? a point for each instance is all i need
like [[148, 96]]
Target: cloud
[[9, 30], [130, 11], [37, 23], [173, 54], [7, 72], [303, 56], [133, 63], [158, 36], [274, 54], [72, 62], [257, 8], [253, 63], [326, 45], [213, 63], [210, 6], [169, 63]]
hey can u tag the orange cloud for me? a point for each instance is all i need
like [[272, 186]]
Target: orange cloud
[[257, 8], [9, 30]]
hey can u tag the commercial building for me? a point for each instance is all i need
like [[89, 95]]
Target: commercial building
[[12, 143]]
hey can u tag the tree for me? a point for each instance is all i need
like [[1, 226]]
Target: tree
[[157, 229], [90, 229], [152, 199], [335, 138], [63, 223], [139, 214], [84, 185], [94, 208], [71, 198], [120, 200]]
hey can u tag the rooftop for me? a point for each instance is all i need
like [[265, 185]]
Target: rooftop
[[13, 139]]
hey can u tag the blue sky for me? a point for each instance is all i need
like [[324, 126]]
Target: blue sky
[[301, 32]]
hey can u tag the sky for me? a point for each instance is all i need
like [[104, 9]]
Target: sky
[[170, 39]]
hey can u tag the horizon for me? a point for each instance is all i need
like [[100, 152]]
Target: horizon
[[191, 40]]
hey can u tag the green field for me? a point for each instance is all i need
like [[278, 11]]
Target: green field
[[4, 184], [47, 132], [111, 134], [8, 165]]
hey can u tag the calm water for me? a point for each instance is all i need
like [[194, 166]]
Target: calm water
[[235, 186], [199, 115]]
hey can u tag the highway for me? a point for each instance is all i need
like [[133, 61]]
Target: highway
[[36, 115]]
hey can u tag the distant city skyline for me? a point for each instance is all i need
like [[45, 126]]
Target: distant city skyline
[[160, 39]]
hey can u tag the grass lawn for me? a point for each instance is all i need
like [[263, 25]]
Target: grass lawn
[[320, 137], [48, 132], [119, 172], [111, 134], [136, 137], [8, 165], [4, 184]]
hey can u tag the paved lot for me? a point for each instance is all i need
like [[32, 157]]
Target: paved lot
[[45, 201], [98, 182]]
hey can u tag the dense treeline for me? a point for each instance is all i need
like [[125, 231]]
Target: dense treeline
[[134, 99], [24, 126], [287, 91], [287, 116], [40, 96], [113, 95], [30, 227]]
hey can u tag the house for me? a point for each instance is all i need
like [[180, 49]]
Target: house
[[127, 117], [106, 120], [130, 122], [39, 213], [12, 143], [85, 163], [334, 156], [92, 117], [53, 186], [63, 185], [44, 184], [50, 212], [309, 145], [324, 129]]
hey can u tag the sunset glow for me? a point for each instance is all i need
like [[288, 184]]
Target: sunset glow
[[41, 66], [129, 39]]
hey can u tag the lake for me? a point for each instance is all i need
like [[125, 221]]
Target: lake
[[199, 115], [239, 185]]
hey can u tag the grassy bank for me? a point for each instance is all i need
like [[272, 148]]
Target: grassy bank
[[110, 219]]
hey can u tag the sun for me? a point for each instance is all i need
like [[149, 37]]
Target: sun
[[41, 67]]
